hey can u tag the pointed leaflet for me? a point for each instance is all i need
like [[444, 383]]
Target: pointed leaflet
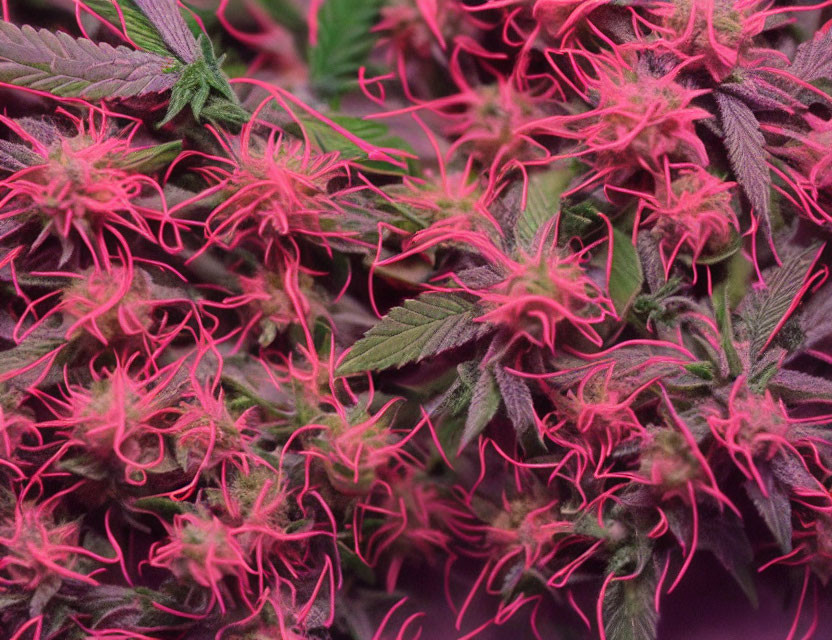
[[202, 85], [764, 313], [628, 608], [425, 326], [542, 204], [813, 60], [518, 401], [136, 26], [344, 41], [745, 144], [793, 386], [626, 275], [65, 66], [775, 508], [166, 17], [722, 314], [484, 404], [724, 536]]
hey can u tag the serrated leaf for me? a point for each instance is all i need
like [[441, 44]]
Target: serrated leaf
[[790, 470], [765, 312], [746, 152], [424, 326], [517, 399], [542, 204], [136, 25], [793, 386], [724, 536], [202, 83], [166, 17], [70, 67], [344, 41], [484, 404], [328, 139], [813, 59], [628, 608], [775, 509], [626, 275]]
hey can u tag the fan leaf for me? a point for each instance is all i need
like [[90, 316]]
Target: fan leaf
[[343, 43], [425, 326], [65, 66], [745, 144], [136, 25]]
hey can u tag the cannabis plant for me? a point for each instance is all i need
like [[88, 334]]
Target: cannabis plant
[[399, 319]]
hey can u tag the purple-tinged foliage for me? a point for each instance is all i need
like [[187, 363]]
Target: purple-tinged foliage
[[389, 319]]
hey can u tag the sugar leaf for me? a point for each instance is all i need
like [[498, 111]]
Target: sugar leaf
[[774, 508], [793, 386], [136, 25], [167, 18], [628, 608], [375, 133], [518, 402], [626, 275], [745, 144], [70, 67], [484, 404], [542, 204], [813, 59], [765, 312], [344, 41], [424, 326]]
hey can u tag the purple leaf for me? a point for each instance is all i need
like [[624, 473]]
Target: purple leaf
[[167, 18], [791, 471], [745, 144], [758, 91], [484, 404], [65, 66], [518, 402], [775, 508], [794, 386], [813, 59]]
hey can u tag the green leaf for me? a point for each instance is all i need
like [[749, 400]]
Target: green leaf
[[151, 159], [577, 220], [203, 85], [328, 139], [425, 326], [765, 312], [484, 404], [343, 45], [163, 506], [139, 29], [722, 311], [626, 275], [542, 204], [628, 608]]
